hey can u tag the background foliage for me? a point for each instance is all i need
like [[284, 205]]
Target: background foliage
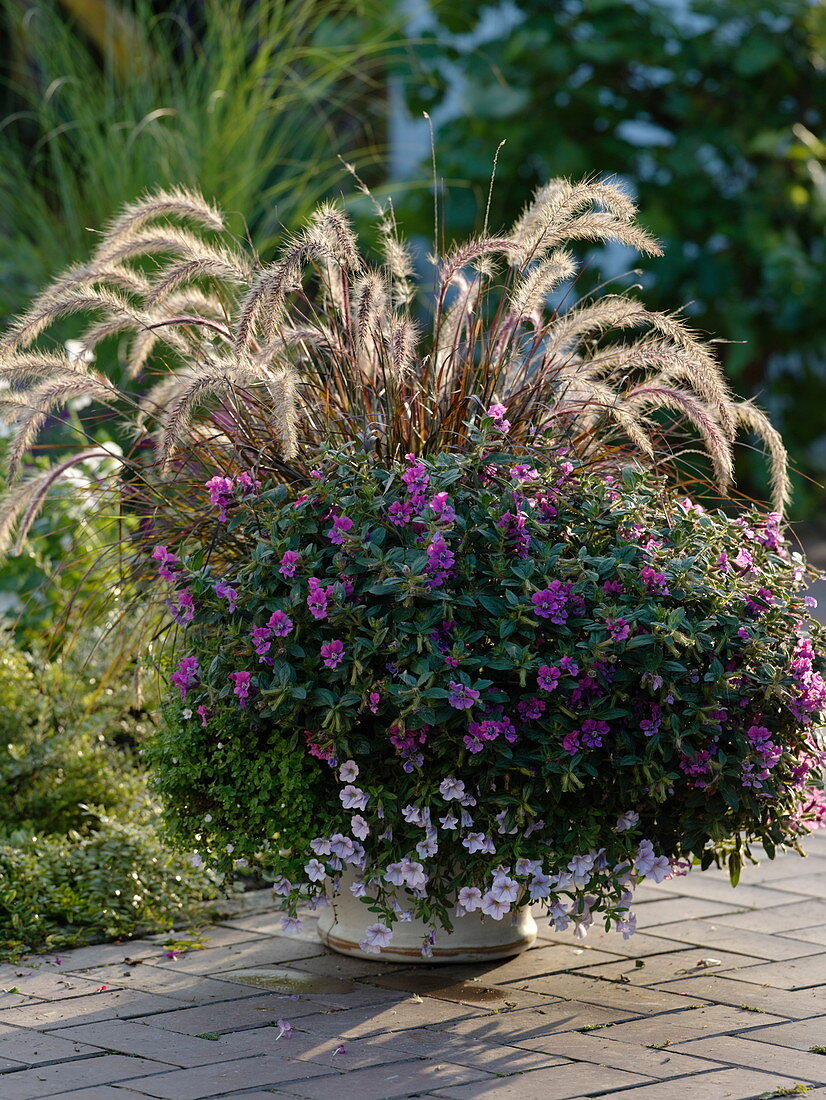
[[712, 110]]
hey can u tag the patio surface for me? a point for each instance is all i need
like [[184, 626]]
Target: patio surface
[[722, 994]]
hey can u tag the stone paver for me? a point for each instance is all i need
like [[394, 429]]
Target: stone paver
[[721, 994]]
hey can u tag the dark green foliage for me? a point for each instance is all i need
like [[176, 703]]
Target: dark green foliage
[[686, 629], [713, 112]]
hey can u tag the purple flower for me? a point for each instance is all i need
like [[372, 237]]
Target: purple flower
[[288, 564], [548, 677], [374, 698], [568, 664], [338, 533], [280, 624], [470, 898], [618, 629], [317, 599], [333, 653], [247, 483], [550, 602], [353, 798], [452, 788], [400, 513], [376, 936], [167, 561], [417, 480], [612, 588], [224, 592], [203, 713], [185, 610], [221, 494], [241, 680], [261, 641], [514, 526], [185, 675], [654, 581], [441, 507], [461, 696], [440, 560], [522, 473]]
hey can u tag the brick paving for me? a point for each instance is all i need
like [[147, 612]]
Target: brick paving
[[722, 994]]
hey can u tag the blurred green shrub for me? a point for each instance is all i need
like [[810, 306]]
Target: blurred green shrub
[[712, 110], [250, 102], [80, 854]]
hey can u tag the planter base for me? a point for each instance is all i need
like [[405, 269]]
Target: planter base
[[473, 939]]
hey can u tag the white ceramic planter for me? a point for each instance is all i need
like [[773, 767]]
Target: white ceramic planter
[[475, 938]]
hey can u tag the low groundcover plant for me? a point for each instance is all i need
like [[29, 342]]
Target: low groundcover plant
[[444, 618], [498, 677]]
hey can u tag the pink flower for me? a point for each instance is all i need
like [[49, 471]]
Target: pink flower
[[166, 562], [317, 599], [441, 507], [654, 581], [185, 610], [497, 413], [203, 714], [221, 494], [280, 624], [333, 653], [185, 675], [241, 680], [374, 700], [289, 562], [338, 533]]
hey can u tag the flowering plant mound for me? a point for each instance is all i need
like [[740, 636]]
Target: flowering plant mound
[[487, 677]]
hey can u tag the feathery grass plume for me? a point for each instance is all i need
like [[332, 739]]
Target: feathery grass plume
[[21, 503], [216, 379], [176, 202], [63, 302], [171, 240], [20, 368], [533, 287], [747, 415], [718, 445], [33, 407], [282, 384], [322, 338]]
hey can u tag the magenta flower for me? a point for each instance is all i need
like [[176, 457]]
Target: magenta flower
[[400, 513], [280, 624], [224, 592], [341, 528], [373, 701], [185, 675], [461, 696], [317, 598], [167, 561], [417, 480], [289, 563], [333, 653], [441, 507], [548, 677], [440, 560], [618, 629], [221, 494], [248, 483], [241, 680], [203, 714], [185, 611], [261, 641], [612, 588], [654, 581]]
